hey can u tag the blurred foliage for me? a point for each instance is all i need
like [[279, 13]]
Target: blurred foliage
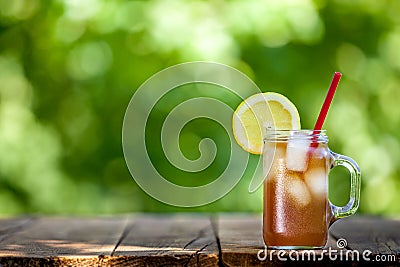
[[68, 69]]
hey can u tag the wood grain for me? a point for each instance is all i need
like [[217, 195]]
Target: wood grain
[[169, 240], [380, 236], [179, 240], [51, 237], [10, 226], [240, 239]]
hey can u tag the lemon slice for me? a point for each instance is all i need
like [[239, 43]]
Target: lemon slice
[[261, 110]]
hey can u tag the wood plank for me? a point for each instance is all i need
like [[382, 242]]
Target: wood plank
[[380, 236], [54, 261], [177, 239], [184, 240], [240, 238], [10, 226], [58, 237]]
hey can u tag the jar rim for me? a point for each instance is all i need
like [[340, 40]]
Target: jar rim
[[300, 131], [303, 134]]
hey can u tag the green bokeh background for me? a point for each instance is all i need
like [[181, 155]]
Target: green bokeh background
[[68, 69]]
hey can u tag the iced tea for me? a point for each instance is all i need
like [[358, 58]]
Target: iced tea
[[296, 192]]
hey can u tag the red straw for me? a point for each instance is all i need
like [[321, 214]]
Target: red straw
[[328, 101], [326, 105]]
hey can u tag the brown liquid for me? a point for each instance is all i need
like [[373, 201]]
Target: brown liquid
[[295, 202]]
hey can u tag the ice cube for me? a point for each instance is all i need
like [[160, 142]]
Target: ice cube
[[320, 152], [316, 180], [298, 191], [297, 154], [273, 159]]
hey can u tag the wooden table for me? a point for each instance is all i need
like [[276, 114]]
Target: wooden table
[[182, 240]]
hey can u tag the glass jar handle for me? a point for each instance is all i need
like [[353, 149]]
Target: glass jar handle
[[355, 186]]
